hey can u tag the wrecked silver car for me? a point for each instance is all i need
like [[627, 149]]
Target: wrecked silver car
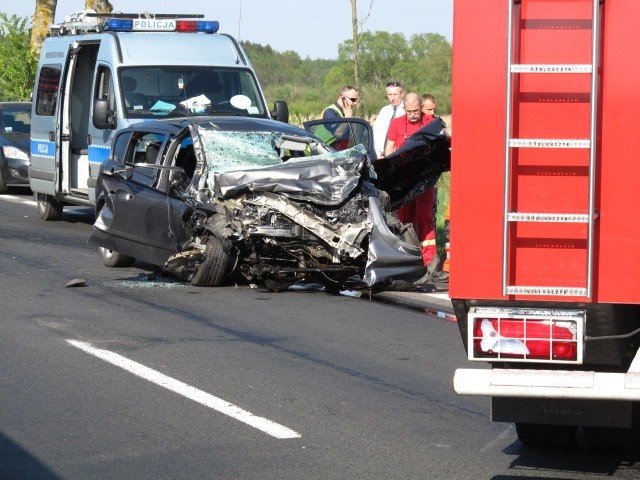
[[222, 199]]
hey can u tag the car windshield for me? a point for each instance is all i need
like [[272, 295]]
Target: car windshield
[[228, 151], [16, 120], [151, 92]]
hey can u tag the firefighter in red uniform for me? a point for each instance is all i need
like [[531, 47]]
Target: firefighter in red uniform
[[419, 211]]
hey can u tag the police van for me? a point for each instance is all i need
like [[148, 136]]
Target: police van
[[98, 74]]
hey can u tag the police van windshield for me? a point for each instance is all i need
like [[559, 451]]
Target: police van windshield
[[151, 92]]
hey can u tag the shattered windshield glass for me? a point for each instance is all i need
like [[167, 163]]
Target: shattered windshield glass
[[241, 160]]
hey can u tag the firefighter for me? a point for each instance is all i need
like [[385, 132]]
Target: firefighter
[[419, 211], [439, 276]]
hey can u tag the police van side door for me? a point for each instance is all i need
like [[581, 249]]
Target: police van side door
[[44, 175]]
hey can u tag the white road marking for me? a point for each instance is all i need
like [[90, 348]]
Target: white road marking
[[267, 426]]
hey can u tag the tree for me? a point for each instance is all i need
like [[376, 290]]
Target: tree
[[357, 64], [18, 61], [100, 6], [43, 17]]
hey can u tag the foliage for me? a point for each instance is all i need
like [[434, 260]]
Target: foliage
[[18, 62], [422, 63]]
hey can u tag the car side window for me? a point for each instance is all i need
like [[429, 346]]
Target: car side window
[[146, 148], [120, 147]]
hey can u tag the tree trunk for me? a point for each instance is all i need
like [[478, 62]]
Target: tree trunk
[[44, 16], [100, 6]]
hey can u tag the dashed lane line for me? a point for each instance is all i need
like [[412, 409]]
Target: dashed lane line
[[267, 426]]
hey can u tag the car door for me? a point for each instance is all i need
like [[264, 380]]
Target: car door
[[343, 133], [138, 213]]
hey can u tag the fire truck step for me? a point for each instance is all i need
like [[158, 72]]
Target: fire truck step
[[548, 217], [558, 291], [551, 68], [549, 143]]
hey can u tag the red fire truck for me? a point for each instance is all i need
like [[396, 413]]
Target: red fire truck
[[545, 268]]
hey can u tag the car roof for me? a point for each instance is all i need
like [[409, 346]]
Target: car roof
[[225, 123]]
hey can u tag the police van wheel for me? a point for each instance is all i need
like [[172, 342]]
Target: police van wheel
[[48, 207], [111, 258]]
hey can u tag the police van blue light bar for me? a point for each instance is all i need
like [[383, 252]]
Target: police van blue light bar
[[118, 24], [159, 25]]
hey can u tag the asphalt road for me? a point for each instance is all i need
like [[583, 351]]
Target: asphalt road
[[136, 377]]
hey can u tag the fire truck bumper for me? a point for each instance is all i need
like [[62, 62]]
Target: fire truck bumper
[[548, 384]]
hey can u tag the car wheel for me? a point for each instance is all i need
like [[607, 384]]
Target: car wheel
[[48, 207], [111, 258], [213, 271], [546, 435], [3, 186]]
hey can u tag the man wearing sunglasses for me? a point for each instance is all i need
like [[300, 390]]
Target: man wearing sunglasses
[[337, 134], [343, 108], [395, 95]]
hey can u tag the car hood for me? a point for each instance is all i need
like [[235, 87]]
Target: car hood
[[325, 179], [18, 140]]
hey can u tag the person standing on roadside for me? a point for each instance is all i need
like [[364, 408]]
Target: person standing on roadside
[[337, 134], [441, 275], [395, 95], [419, 211], [343, 108]]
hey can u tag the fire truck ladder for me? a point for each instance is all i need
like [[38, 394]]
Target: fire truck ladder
[[512, 143]]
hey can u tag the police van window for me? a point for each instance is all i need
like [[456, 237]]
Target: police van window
[[47, 93], [146, 148], [104, 87], [163, 91]]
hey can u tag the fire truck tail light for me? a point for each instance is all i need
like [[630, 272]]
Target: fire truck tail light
[[525, 337]]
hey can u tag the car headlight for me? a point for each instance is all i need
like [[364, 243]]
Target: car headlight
[[13, 152]]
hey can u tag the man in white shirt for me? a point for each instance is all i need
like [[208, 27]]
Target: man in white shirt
[[395, 94]]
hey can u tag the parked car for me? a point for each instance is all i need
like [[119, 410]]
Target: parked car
[[15, 127], [212, 199]]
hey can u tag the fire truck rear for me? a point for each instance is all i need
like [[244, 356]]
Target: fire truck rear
[[545, 273]]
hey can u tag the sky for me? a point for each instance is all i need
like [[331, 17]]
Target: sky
[[312, 28]]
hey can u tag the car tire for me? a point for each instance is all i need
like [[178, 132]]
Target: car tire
[[3, 185], [213, 271], [113, 259], [546, 435], [48, 207]]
